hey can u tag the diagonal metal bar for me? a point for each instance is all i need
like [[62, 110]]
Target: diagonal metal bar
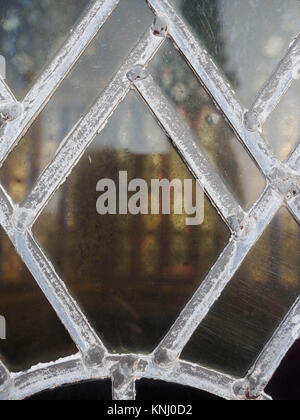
[[6, 212], [202, 64], [48, 82], [294, 206], [294, 159], [214, 82], [289, 331], [219, 276], [58, 295], [10, 108], [293, 203], [74, 145], [286, 72], [192, 154], [284, 337], [170, 349], [286, 334], [51, 285], [5, 92], [5, 381], [274, 352]]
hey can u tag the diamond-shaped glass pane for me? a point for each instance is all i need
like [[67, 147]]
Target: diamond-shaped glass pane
[[208, 125], [131, 274], [246, 38], [31, 32], [282, 128], [34, 334], [75, 96], [254, 303]]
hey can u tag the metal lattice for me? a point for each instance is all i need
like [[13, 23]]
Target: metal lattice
[[94, 361]]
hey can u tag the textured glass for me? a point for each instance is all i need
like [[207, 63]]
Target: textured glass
[[31, 32], [75, 96], [131, 274], [253, 304], [210, 129], [34, 334], [246, 38], [282, 128]]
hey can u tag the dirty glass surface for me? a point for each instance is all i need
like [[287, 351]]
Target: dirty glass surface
[[34, 334], [131, 274], [208, 125], [246, 38], [31, 32], [282, 128], [75, 96], [254, 303]]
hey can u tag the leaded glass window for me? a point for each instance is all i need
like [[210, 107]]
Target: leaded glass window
[[197, 91]]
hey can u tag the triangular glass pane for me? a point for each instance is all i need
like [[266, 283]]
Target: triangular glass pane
[[131, 274], [208, 125], [34, 334], [74, 97], [282, 128], [247, 38], [254, 303], [31, 33]]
